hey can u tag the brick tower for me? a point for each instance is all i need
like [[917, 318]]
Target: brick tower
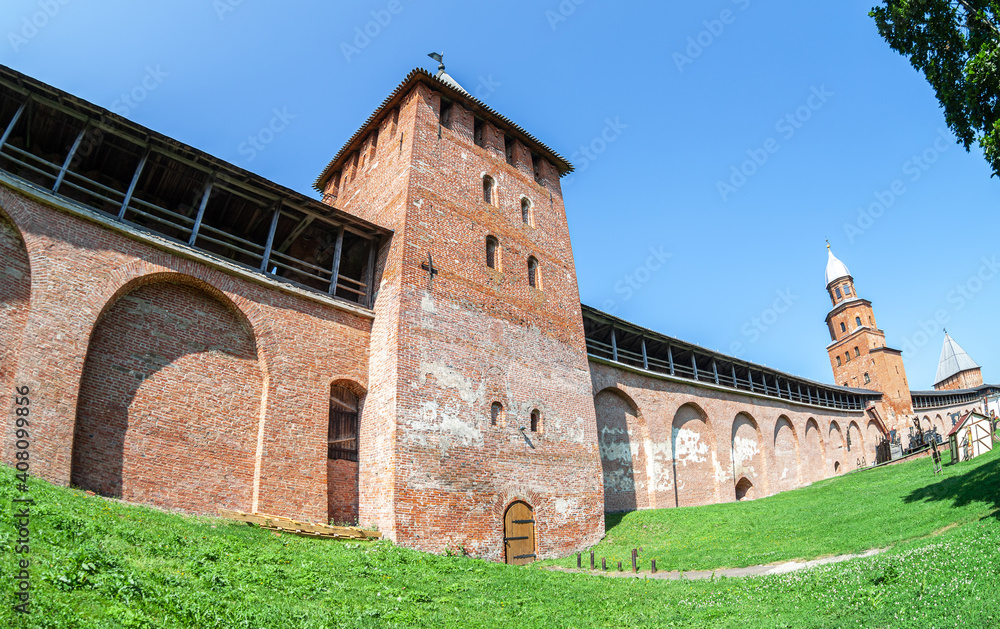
[[858, 354], [479, 401]]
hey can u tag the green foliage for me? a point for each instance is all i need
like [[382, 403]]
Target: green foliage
[[956, 44], [102, 564]]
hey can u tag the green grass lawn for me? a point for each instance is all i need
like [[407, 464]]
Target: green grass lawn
[[862, 510], [102, 564]]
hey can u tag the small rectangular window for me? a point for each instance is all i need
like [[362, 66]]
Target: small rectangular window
[[857, 352], [838, 361], [847, 291], [445, 119], [508, 149], [837, 290], [536, 166], [479, 132]]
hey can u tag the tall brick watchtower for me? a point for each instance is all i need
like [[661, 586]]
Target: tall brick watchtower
[[479, 403], [858, 354]]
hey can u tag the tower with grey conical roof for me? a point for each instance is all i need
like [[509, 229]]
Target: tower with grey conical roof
[[956, 369]]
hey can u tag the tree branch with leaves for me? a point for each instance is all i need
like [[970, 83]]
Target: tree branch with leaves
[[956, 45]]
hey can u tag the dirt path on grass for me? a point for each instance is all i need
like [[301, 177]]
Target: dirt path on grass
[[749, 571]]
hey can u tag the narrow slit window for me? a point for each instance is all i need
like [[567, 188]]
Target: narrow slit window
[[479, 132], [536, 166], [508, 149], [857, 352], [496, 414], [867, 379], [536, 420], [533, 272], [526, 211], [838, 361], [488, 189], [843, 327], [848, 356], [445, 118], [491, 252]]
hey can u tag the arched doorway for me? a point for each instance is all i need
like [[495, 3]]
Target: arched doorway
[[747, 453], [519, 534], [744, 490], [342, 455]]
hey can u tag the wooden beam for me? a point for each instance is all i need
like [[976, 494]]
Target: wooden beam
[[131, 187], [301, 227], [13, 122], [270, 237], [69, 159], [201, 213], [337, 251]]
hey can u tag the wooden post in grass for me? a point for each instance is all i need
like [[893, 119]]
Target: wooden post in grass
[[579, 560], [591, 560], [619, 566], [635, 555], [654, 566], [604, 564]]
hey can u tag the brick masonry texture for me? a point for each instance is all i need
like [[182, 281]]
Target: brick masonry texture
[[665, 443], [259, 390], [449, 347], [163, 378], [968, 379], [134, 439], [15, 294]]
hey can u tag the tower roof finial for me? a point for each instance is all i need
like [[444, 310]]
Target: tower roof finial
[[827, 243], [439, 57]]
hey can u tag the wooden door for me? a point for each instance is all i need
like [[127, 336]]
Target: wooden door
[[519, 534]]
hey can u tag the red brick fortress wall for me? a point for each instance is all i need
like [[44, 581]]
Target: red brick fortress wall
[[187, 384], [666, 443]]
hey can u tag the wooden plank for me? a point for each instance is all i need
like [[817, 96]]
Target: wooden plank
[[289, 525]]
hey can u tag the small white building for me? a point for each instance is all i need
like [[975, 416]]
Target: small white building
[[971, 436]]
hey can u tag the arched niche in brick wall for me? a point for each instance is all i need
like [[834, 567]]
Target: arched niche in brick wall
[[622, 436], [815, 452], [837, 448], [857, 456], [169, 401], [749, 457], [786, 455], [872, 438], [695, 458], [15, 300]]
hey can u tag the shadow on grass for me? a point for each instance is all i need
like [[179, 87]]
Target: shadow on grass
[[980, 484], [611, 520]]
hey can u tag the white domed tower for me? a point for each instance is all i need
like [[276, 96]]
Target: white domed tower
[[858, 353]]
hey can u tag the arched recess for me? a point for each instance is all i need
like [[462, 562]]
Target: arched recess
[[170, 396], [622, 438], [815, 453], [837, 449], [748, 457], [695, 460], [15, 300], [786, 455], [939, 426], [873, 436], [745, 489], [347, 400], [858, 456]]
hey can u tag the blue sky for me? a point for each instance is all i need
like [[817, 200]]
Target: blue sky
[[656, 103]]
